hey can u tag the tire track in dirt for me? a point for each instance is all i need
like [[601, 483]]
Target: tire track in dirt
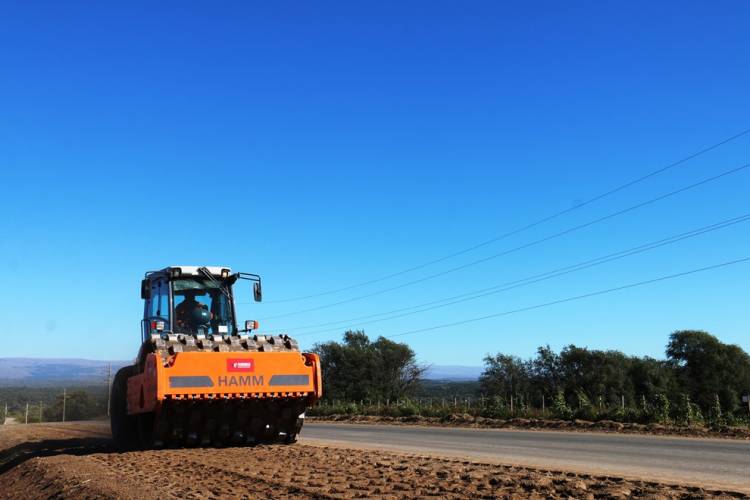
[[298, 471], [207, 474], [304, 471]]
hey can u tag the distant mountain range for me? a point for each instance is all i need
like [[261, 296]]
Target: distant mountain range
[[453, 372], [41, 371]]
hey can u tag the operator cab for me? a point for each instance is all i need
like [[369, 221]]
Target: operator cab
[[191, 300]]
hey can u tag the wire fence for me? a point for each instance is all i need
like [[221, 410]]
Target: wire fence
[[40, 405], [55, 405], [661, 408]]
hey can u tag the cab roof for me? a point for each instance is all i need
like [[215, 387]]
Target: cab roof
[[193, 270], [218, 271]]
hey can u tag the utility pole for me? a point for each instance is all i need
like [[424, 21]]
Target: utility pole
[[26, 418], [109, 388], [41, 411], [64, 405], [5, 415]]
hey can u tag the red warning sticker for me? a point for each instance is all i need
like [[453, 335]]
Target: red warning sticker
[[240, 365]]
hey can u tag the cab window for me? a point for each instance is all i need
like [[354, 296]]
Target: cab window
[[202, 306], [159, 306]]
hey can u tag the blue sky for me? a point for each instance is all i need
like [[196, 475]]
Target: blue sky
[[326, 144]]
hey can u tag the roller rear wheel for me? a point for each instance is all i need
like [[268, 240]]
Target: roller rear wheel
[[123, 426]]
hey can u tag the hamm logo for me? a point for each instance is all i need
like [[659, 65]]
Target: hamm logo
[[240, 365]]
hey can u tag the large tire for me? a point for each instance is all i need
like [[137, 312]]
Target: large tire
[[145, 425], [293, 430], [124, 427]]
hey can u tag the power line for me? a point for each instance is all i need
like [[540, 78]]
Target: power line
[[524, 246], [574, 298], [527, 226], [472, 295], [531, 279]]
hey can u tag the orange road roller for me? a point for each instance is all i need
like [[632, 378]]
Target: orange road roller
[[198, 380]]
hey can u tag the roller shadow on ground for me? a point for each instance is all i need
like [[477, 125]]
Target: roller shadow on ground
[[13, 457]]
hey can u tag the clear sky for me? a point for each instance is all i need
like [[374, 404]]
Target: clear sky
[[325, 144]]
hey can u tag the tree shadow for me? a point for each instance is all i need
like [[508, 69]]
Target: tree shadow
[[16, 455]]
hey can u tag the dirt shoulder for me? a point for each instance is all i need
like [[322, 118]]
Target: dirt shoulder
[[465, 420], [19, 443], [297, 471], [20, 434]]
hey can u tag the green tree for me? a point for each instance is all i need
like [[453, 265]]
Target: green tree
[[706, 367], [715, 414], [662, 409], [687, 412], [650, 377], [78, 406], [358, 369], [505, 375], [560, 408], [545, 371]]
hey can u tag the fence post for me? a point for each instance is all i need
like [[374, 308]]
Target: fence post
[[41, 411], [622, 401], [64, 397], [26, 418], [511, 404], [542, 405]]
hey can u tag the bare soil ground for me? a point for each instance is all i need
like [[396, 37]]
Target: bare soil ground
[[74, 460], [466, 420]]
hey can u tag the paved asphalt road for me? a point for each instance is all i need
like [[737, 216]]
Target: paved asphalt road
[[721, 463]]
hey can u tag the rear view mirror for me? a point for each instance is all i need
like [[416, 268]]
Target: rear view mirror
[[145, 289], [257, 291]]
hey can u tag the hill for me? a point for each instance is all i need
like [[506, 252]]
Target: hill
[[55, 371], [452, 372]]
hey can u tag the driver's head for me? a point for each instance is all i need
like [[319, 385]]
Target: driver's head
[[189, 296]]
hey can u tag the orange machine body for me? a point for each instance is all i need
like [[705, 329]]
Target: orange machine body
[[224, 375]]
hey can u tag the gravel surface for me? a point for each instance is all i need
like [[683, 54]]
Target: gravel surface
[[73, 460]]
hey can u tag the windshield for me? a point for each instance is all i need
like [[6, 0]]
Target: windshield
[[202, 306]]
